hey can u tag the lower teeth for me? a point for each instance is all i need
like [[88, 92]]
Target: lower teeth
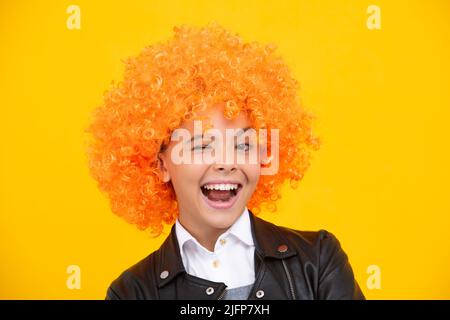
[[232, 194]]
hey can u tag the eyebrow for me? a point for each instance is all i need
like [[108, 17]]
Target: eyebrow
[[241, 131]]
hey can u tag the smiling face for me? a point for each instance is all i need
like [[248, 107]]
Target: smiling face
[[212, 195]]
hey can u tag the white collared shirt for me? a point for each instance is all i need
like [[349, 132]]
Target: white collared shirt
[[232, 261]]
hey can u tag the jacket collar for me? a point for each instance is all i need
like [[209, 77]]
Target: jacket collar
[[269, 243]]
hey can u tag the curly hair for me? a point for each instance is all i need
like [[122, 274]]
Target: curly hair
[[170, 82]]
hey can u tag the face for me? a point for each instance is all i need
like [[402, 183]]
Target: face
[[212, 194]]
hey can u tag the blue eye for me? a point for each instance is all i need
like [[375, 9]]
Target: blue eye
[[243, 146]]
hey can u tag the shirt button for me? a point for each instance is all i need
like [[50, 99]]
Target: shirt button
[[259, 294], [210, 291], [164, 274], [223, 241], [215, 263]]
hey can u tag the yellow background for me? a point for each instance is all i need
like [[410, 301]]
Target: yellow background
[[380, 181]]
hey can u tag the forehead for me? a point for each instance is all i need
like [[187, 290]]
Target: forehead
[[214, 116]]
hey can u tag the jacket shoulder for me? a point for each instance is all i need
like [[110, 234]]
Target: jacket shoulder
[[310, 242], [335, 276], [321, 247], [133, 283]]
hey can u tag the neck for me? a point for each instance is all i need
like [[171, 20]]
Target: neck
[[206, 236]]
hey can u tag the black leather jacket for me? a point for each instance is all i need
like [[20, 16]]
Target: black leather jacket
[[289, 264]]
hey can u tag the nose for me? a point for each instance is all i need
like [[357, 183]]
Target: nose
[[225, 167], [225, 161]]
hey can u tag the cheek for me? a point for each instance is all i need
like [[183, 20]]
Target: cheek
[[253, 172], [187, 176]]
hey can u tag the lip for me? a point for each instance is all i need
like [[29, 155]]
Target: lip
[[222, 204]]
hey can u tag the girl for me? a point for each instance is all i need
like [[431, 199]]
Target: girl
[[173, 144]]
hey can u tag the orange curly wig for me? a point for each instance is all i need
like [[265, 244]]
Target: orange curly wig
[[168, 83]]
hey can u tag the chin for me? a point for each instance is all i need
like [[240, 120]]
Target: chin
[[223, 219]]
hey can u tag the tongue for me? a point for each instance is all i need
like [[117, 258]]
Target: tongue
[[219, 195]]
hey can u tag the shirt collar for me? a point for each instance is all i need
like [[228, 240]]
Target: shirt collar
[[241, 229]]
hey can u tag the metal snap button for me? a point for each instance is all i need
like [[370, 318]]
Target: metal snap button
[[283, 248], [164, 274], [210, 291], [259, 294]]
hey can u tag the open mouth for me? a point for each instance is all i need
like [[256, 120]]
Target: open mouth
[[221, 196]]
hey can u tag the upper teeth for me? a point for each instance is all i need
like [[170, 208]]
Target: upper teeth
[[227, 186]]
